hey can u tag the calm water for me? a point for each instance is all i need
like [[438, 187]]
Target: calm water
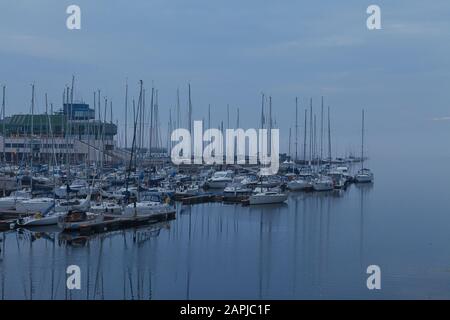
[[316, 246]]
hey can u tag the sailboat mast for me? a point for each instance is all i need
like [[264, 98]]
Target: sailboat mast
[[103, 131], [32, 116], [310, 132], [134, 138], [100, 126], [262, 111], [71, 105], [289, 147], [3, 122], [329, 136], [321, 131], [270, 125], [151, 122], [190, 110], [126, 115], [32, 131], [48, 128], [296, 128], [362, 141], [304, 138], [143, 118]]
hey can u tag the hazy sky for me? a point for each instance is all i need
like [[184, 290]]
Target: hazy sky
[[231, 51]]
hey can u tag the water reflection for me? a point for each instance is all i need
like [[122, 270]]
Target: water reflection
[[315, 246]]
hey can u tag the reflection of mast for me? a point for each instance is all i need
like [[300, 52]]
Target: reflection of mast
[[188, 280], [31, 269], [99, 263], [361, 227], [2, 256], [88, 267], [150, 292], [189, 110], [304, 138], [52, 293], [294, 280], [321, 132], [260, 254], [310, 132], [296, 129]]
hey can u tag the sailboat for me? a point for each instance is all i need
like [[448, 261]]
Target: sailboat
[[299, 184], [41, 219], [323, 183], [35, 205], [364, 175], [74, 204], [268, 197]]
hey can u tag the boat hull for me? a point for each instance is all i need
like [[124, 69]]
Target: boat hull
[[272, 199], [363, 178], [44, 221], [322, 186], [34, 206], [298, 185]]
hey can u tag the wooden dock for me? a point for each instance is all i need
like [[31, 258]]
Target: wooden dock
[[11, 214], [117, 222], [201, 199], [6, 225]]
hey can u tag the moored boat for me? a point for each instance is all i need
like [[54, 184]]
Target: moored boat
[[267, 197]]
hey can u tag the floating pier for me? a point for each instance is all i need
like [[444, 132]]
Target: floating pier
[[6, 225], [116, 222], [201, 199]]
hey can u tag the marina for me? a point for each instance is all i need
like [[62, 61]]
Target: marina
[[316, 245], [226, 156], [89, 188]]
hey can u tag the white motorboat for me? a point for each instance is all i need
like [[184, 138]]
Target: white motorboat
[[24, 193], [187, 191], [146, 208], [10, 203], [323, 183], [79, 187], [106, 207], [36, 205], [237, 190], [74, 204], [339, 179], [364, 176], [299, 184], [220, 179], [117, 195], [267, 197], [249, 181], [40, 219]]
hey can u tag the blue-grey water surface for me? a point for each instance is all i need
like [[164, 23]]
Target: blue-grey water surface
[[317, 246]]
